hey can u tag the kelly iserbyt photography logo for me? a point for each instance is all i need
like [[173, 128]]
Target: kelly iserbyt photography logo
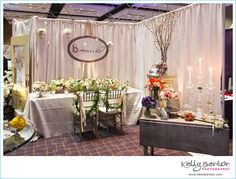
[[197, 166]]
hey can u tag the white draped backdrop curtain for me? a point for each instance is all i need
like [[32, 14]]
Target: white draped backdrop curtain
[[198, 33]]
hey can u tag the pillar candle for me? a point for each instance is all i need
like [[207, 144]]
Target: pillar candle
[[190, 75], [230, 84], [210, 75], [200, 64]]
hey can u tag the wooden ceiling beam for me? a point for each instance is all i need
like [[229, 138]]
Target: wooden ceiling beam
[[55, 10]]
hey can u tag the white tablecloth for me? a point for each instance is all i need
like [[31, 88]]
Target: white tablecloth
[[52, 115], [133, 106]]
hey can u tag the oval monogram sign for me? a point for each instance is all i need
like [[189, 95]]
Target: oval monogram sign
[[87, 49]]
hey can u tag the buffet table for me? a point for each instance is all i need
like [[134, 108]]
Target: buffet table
[[52, 114], [194, 136]]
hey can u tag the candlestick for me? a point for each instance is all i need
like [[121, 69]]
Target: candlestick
[[190, 75], [200, 65], [210, 75], [230, 84]]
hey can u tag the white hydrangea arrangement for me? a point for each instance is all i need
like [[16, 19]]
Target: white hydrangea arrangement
[[218, 121], [7, 87], [40, 86]]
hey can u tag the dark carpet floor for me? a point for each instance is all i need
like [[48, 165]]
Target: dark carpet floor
[[113, 145]]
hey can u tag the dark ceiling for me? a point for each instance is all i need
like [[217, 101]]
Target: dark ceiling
[[128, 12]]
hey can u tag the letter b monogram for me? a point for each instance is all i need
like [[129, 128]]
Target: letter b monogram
[[74, 49]]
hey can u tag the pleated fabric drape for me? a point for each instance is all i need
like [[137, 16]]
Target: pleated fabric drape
[[198, 33]]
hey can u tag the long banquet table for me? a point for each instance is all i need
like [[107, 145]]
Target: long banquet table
[[52, 114], [178, 134]]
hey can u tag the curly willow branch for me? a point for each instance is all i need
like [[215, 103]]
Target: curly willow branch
[[162, 30]]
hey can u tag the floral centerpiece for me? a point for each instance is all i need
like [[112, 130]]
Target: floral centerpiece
[[159, 69], [125, 86], [91, 84], [39, 87], [149, 103], [155, 85], [68, 86], [166, 95], [110, 84], [78, 85], [56, 85], [7, 93], [7, 87], [170, 93]]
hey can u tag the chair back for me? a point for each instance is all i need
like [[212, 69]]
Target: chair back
[[115, 94], [115, 100], [86, 105], [89, 98]]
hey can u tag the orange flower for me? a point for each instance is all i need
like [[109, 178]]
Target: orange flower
[[152, 80], [154, 83]]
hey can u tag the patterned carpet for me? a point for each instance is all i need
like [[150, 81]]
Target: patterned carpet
[[71, 145]]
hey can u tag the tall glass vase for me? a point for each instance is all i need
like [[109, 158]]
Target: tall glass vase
[[154, 94], [147, 113]]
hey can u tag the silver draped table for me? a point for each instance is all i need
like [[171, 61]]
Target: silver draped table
[[177, 134]]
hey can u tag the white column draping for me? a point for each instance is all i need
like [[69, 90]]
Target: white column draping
[[198, 33]]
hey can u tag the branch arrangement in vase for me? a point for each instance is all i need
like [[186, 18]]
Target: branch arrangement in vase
[[162, 29]]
